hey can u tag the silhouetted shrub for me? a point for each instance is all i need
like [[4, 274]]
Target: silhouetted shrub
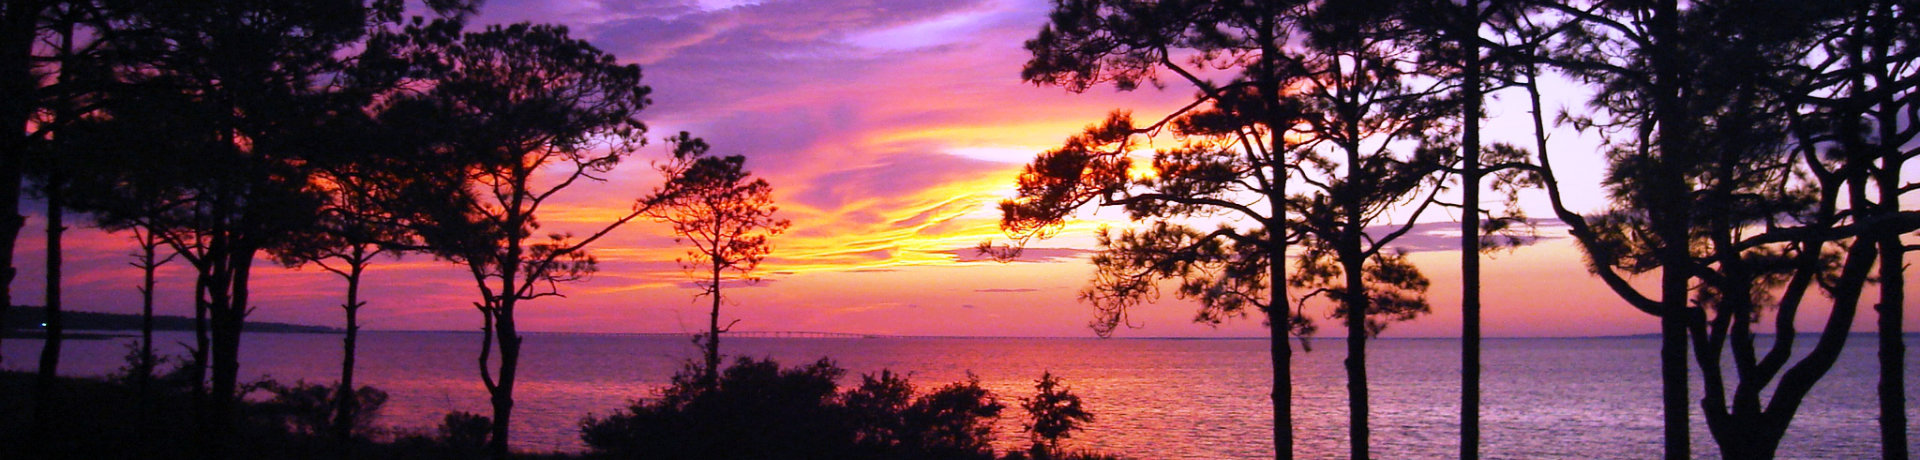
[[465, 432], [307, 408], [1039, 452], [133, 367], [954, 421], [758, 410], [1054, 413], [875, 410], [101, 418], [166, 371]]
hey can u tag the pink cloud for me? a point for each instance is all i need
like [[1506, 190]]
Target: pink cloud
[[888, 129]]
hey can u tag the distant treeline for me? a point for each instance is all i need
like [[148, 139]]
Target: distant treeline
[[28, 318]]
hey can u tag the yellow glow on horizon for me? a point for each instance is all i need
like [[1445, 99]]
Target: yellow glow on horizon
[[1141, 168]]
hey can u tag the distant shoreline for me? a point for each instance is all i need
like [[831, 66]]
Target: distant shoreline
[[24, 322], [88, 325]]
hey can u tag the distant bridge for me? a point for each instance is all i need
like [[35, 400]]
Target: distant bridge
[[808, 335], [803, 335]]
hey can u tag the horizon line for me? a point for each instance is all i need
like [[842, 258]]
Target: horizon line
[[859, 335]]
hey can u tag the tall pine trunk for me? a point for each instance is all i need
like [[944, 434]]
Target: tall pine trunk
[[1671, 219], [22, 21], [1279, 320], [149, 245], [1893, 285], [1357, 305], [1893, 346], [1470, 235], [1282, 355], [44, 398], [1353, 263], [147, 267], [713, 330], [1673, 358], [1279, 327], [197, 364], [1891, 310]]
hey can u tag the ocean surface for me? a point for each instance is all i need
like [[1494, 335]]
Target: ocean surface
[[1152, 398]]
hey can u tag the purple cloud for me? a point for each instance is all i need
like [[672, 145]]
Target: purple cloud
[[970, 254], [1445, 236]]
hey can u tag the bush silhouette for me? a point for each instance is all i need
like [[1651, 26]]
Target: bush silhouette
[[308, 408], [758, 410], [1056, 413]]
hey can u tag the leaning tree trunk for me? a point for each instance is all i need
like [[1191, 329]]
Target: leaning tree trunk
[[501, 390], [500, 327], [43, 388], [346, 405]]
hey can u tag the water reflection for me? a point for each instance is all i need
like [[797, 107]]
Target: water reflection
[[1175, 399]]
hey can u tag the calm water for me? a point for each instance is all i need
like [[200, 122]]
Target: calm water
[[1198, 399]]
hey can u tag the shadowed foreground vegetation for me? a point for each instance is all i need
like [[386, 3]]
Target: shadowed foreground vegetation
[[109, 418], [756, 409]]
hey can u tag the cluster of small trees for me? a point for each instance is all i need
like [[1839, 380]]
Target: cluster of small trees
[[329, 133], [1754, 149]]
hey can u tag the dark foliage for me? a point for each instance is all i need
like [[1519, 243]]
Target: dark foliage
[[198, 130], [104, 418], [758, 410], [1056, 413], [1232, 159], [726, 216], [1318, 94], [1726, 174], [465, 433], [308, 409], [521, 112]]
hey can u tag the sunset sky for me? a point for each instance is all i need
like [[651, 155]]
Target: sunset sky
[[888, 130]]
